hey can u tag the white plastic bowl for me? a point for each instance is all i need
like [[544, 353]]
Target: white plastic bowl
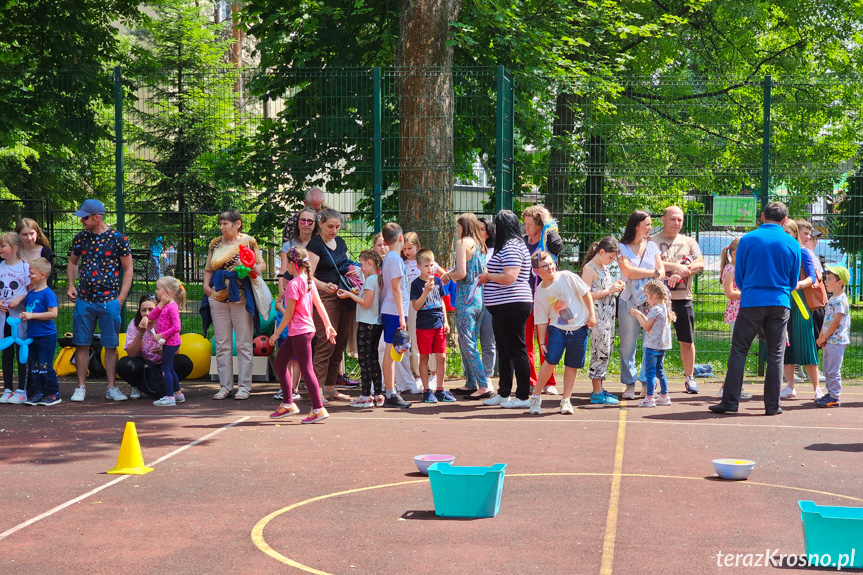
[[734, 469], [423, 462]]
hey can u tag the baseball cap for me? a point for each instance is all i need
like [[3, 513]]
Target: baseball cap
[[90, 208], [841, 272], [401, 344], [815, 234]]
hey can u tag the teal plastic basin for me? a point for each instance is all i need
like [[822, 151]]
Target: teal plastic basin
[[833, 531], [466, 491]]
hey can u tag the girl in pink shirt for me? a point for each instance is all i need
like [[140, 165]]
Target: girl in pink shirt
[[300, 295], [171, 295]]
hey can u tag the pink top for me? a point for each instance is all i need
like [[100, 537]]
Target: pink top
[[168, 323], [302, 320], [733, 306], [148, 344]]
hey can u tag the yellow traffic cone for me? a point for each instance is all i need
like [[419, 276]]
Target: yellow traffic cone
[[130, 461]]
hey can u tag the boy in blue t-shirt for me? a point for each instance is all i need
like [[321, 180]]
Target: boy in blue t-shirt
[[427, 293], [41, 310]]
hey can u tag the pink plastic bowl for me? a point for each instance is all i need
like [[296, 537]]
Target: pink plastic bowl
[[423, 462]]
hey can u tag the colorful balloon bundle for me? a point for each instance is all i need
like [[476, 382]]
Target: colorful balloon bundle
[[247, 261], [23, 344]]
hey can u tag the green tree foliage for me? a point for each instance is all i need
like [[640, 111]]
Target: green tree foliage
[[55, 85], [184, 124]]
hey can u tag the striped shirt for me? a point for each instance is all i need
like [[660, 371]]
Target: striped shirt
[[513, 255]]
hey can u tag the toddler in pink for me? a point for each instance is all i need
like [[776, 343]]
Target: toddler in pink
[[171, 295]]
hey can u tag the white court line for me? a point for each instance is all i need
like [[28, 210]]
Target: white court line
[[63, 506]]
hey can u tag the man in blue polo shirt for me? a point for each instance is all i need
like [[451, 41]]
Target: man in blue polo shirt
[[767, 269]]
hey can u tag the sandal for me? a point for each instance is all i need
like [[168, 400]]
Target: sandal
[[338, 396], [242, 394], [222, 394]]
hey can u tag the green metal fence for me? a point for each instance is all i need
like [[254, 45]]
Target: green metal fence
[[178, 147]]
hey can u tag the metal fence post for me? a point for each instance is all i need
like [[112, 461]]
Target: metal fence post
[[504, 164], [765, 145], [378, 154], [118, 164], [765, 188]]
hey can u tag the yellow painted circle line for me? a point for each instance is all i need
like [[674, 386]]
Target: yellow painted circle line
[[260, 543]]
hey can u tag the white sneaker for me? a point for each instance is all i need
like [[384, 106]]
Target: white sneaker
[[79, 394], [515, 402], [798, 379], [495, 399], [135, 393], [296, 396], [550, 390], [166, 401], [647, 402], [278, 395], [630, 392], [663, 400], [719, 393], [822, 378], [819, 393], [116, 394], [787, 393], [19, 397], [535, 405], [6, 395], [566, 407]]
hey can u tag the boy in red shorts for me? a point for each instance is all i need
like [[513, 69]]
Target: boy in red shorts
[[427, 293]]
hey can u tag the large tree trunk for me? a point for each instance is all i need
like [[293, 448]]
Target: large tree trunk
[[560, 157], [426, 114]]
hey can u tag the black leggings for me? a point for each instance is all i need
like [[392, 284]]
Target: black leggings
[[10, 358], [131, 370], [508, 323], [368, 336]]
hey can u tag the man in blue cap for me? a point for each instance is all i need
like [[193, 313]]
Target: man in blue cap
[[95, 259]]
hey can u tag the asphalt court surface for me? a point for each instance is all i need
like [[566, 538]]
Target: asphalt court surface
[[606, 490]]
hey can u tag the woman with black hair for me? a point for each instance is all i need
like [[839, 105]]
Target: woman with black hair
[[508, 298], [640, 261], [142, 366]]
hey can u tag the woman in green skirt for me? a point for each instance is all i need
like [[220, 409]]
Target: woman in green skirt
[[801, 348]]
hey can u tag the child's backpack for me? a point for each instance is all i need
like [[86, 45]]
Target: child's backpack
[[64, 364]]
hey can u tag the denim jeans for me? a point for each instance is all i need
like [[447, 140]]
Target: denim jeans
[[43, 378], [654, 368], [630, 329]]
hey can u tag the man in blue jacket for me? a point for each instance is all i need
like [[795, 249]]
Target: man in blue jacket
[[767, 269]]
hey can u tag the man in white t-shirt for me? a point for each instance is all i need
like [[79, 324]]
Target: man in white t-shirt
[[683, 259]]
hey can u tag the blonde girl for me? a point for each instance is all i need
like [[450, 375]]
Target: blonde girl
[[728, 285], [412, 272], [170, 295], [369, 328], [602, 290], [379, 245], [657, 340], [34, 244], [301, 294]]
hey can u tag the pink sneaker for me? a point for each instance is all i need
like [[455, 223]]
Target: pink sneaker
[[663, 400], [647, 402], [283, 411], [316, 416]]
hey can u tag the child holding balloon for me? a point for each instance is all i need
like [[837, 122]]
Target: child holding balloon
[[41, 311], [14, 279]]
